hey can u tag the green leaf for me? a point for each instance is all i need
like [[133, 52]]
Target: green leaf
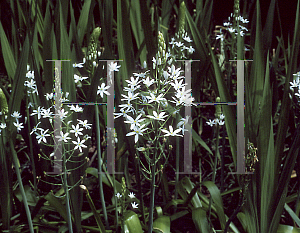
[[8, 56], [217, 199], [132, 222], [162, 224], [200, 220]]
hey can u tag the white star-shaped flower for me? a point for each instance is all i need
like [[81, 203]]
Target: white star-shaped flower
[[131, 195], [63, 137], [18, 125], [79, 144], [76, 130], [137, 131], [16, 115], [171, 132], [159, 117], [134, 205], [118, 195], [113, 67], [42, 136], [102, 90]]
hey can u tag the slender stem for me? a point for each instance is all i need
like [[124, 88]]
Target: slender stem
[[100, 167], [65, 180], [215, 170], [153, 181], [15, 160]]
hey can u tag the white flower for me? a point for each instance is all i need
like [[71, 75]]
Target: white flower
[[134, 205], [84, 124], [79, 144], [137, 131], [102, 90], [76, 108], [3, 125], [79, 65], [42, 136], [49, 96], [187, 39], [148, 82], [210, 122], [131, 195], [222, 116], [153, 98], [18, 125], [38, 112], [16, 114], [177, 85], [174, 72], [113, 67], [133, 82], [118, 195], [159, 117], [62, 114], [63, 137], [76, 130], [130, 96], [46, 113], [35, 128], [154, 62], [133, 122], [171, 132]]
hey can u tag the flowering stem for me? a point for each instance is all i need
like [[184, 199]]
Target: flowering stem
[[153, 182], [100, 167], [15, 159], [215, 169]]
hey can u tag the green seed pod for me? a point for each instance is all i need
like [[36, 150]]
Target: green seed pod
[[3, 103], [218, 108]]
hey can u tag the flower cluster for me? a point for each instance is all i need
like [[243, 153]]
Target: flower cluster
[[242, 26], [296, 83]]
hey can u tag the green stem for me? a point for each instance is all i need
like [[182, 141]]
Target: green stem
[[16, 164], [214, 171], [100, 167], [153, 182], [67, 195]]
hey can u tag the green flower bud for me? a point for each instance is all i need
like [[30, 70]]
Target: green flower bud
[[3, 102], [218, 108]]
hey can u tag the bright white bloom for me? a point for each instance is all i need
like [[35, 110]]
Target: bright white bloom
[[131, 195], [76, 130], [153, 98], [16, 115], [30, 74], [137, 131], [18, 125], [3, 125], [35, 128], [42, 136], [220, 122], [79, 144], [134, 205], [84, 124], [171, 132], [46, 113], [159, 117], [113, 67], [62, 114], [134, 122], [177, 85], [38, 112], [49, 96], [141, 75], [148, 82], [174, 73], [63, 137], [118, 195], [187, 39], [133, 82], [102, 90], [79, 65], [222, 116], [78, 78], [76, 108], [130, 96], [210, 122]]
